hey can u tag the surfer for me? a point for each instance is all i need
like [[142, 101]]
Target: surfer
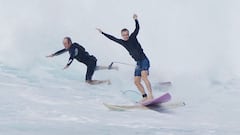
[[79, 53], [134, 48]]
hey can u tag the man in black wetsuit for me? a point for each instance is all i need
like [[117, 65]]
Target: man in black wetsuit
[[135, 50], [79, 53]]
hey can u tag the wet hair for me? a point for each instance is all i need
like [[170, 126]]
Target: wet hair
[[123, 30], [68, 39]]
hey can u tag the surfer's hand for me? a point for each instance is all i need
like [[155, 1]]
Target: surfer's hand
[[50, 56], [65, 67], [99, 30], [135, 16]]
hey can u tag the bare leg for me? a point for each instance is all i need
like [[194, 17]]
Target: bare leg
[[137, 81], [106, 68], [95, 82], [144, 75]]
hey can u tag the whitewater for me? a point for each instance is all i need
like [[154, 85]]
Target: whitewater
[[193, 44]]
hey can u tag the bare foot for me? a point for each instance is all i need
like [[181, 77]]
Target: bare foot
[[144, 99], [115, 68], [150, 97], [95, 82]]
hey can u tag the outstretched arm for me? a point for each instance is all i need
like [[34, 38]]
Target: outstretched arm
[[110, 36], [69, 63], [71, 58], [137, 27], [57, 53]]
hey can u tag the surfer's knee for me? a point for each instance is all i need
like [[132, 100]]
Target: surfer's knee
[[145, 78], [137, 81]]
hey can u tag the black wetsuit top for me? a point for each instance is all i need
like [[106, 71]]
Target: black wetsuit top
[[132, 45], [78, 52]]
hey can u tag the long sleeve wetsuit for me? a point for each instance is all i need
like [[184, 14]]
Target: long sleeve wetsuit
[[79, 53], [132, 45]]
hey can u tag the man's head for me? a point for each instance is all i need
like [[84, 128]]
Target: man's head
[[67, 42], [125, 34]]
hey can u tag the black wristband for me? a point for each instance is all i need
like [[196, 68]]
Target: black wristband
[[144, 95]]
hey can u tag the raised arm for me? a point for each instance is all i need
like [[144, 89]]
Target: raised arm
[[110, 37], [137, 27]]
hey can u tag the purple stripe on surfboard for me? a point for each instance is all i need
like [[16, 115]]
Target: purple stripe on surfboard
[[161, 99]]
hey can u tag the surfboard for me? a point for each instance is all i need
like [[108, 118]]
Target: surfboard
[[158, 107], [152, 104]]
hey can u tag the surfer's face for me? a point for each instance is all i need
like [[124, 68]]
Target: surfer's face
[[125, 35], [66, 43]]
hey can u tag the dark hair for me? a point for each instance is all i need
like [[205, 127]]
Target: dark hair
[[69, 39], [124, 30]]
